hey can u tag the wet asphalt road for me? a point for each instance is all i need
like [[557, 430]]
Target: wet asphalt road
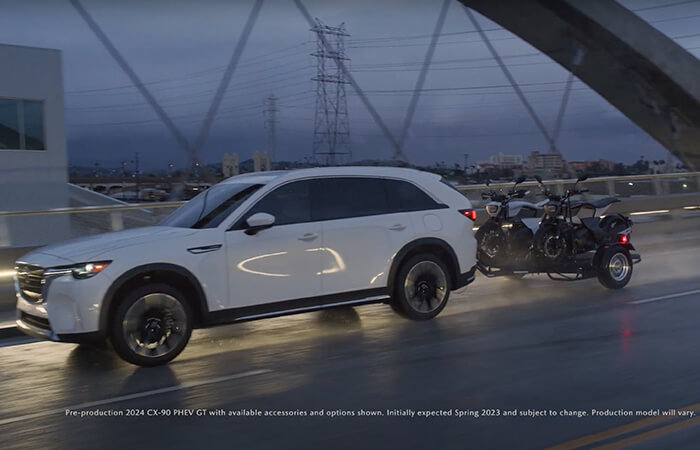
[[499, 345]]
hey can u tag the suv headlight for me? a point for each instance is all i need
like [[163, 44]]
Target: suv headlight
[[79, 271]]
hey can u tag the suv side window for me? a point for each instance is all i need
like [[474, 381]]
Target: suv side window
[[289, 203], [404, 196], [344, 197]]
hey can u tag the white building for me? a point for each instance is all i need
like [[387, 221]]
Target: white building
[[229, 165], [545, 164], [502, 161], [33, 167], [261, 162]]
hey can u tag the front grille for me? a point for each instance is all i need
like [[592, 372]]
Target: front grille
[[35, 321], [31, 281]]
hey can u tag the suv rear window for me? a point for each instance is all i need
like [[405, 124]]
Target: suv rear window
[[337, 198], [404, 196]]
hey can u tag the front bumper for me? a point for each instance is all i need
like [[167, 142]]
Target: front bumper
[[40, 328], [29, 325], [69, 310]]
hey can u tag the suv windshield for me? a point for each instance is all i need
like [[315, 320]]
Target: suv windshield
[[211, 207]]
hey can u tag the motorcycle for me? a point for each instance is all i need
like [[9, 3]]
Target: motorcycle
[[574, 238], [505, 240], [569, 242]]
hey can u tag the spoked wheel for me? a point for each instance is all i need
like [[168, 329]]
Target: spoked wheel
[[152, 325], [553, 246], [615, 268], [422, 287], [491, 243]]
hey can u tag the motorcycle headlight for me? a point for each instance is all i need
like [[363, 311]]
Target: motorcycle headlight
[[492, 210], [79, 271], [550, 210]]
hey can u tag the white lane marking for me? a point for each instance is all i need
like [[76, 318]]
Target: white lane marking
[[665, 297], [123, 398]]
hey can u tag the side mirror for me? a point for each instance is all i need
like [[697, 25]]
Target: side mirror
[[538, 178], [581, 178], [488, 182], [520, 179], [258, 222]]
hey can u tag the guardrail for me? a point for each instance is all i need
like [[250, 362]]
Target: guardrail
[[616, 186], [672, 191]]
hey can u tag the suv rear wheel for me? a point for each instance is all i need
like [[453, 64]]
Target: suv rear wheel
[[152, 325], [422, 287]]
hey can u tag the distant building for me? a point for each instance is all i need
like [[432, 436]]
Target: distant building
[[229, 165], [603, 165], [261, 162], [544, 164], [501, 161], [33, 165]]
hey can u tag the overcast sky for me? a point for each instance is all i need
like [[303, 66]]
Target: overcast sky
[[179, 48]]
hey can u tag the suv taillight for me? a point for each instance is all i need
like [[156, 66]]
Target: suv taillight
[[471, 213]]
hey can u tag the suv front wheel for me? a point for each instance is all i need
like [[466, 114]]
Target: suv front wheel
[[151, 325], [422, 287]]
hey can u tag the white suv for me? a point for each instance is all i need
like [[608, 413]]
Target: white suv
[[255, 245]]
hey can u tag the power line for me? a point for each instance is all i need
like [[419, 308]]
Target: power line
[[169, 101], [130, 73], [423, 73], [225, 81], [256, 62], [511, 80]]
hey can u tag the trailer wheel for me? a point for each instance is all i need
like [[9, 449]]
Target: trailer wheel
[[615, 267]]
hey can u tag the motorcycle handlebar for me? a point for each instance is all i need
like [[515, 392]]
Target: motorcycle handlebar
[[571, 192]]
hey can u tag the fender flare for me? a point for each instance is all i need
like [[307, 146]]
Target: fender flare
[[411, 246], [109, 299]]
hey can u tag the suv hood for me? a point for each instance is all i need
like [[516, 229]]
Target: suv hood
[[91, 247]]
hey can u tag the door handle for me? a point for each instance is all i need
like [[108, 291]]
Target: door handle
[[308, 237], [397, 227]]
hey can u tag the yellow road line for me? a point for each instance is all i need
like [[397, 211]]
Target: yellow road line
[[650, 434], [618, 431]]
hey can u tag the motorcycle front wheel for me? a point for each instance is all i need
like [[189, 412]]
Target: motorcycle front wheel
[[550, 245], [491, 245]]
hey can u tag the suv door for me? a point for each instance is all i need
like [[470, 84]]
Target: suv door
[[361, 232], [282, 262]]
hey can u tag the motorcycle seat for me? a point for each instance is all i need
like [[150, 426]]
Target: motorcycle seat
[[596, 204]]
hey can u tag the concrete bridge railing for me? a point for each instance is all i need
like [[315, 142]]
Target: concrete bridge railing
[[661, 194]]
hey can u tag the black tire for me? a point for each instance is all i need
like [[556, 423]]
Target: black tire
[[151, 325], [490, 244], [550, 245], [615, 267], [422, 287]]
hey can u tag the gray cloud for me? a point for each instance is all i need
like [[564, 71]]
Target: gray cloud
[[179, 48]]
